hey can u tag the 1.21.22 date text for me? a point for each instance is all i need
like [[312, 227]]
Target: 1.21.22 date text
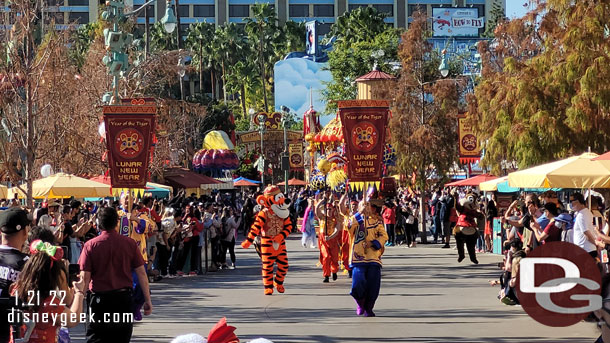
[[33, 298]]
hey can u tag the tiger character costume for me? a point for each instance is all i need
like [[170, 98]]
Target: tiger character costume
[[273, 224]]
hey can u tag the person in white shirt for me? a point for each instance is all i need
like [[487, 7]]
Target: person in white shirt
[[584, 233]]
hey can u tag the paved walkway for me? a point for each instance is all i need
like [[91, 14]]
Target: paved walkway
[[426, 296]]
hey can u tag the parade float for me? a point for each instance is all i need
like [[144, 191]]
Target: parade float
[[353, 149], [217, 158]]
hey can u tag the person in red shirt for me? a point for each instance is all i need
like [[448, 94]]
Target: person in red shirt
[[389, 220], [191, 239], [106, 263]]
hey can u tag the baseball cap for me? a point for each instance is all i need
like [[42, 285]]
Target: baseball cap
[[13, 220]]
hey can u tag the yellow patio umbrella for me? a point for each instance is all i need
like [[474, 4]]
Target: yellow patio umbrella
[[492, 185], [14, 190], [573, 172], [63, 185]]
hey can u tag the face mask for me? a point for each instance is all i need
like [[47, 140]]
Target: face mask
[[559, 225]]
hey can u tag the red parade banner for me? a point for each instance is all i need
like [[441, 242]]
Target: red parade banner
[[129, 133], [469, 150], [364, 125]]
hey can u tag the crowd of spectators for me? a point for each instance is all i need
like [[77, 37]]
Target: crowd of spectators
[[57, 246]]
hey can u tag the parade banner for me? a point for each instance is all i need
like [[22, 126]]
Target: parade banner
[[295, 152], [364, 126], [470, 151], [129, 133]]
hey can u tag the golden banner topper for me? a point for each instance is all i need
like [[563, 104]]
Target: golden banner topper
[[470, 150]]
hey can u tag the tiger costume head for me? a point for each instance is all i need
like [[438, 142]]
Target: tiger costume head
[[275, 200]]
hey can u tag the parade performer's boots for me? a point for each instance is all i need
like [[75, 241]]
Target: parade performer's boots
[[359, 307], [280, 288], [459, 242], [368, 309], [268, 291], [471, 241], [137, 313]]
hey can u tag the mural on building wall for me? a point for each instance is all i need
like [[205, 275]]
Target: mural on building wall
[[294, 78]]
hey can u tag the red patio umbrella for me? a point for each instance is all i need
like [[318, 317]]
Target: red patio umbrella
[[473, 181], [293, 182], [602, 157], [244, 183]]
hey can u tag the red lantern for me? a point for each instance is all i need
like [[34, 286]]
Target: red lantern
[[333, 138], [324, 138], [318, 138]]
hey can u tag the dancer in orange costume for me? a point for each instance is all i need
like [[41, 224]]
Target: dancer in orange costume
[[329, 235], [346, 243], [273, 224]]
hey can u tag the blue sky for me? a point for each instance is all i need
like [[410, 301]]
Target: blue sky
[[515, 8]]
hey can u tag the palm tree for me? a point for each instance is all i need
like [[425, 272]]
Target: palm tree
[[232, 50], [263, 30], [198, 41]]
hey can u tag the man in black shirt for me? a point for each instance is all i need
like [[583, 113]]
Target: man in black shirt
[[14, 225]]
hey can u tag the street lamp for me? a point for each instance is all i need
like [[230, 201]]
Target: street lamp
[[261, 130], [444, 67], [285, 161], [117, 42], [169, 19], [251, 112], [181, 73]]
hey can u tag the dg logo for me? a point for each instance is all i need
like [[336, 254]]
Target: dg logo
[[559, 284]]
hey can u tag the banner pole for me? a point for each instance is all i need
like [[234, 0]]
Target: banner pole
[[130, 202]]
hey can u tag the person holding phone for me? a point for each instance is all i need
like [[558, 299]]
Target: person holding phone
[[45, 274]]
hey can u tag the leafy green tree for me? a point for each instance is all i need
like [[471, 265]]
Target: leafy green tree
[[359, 25], [425, 107], [81, 41], [545, 92], [294, 34], [363, 40], [497, 16]]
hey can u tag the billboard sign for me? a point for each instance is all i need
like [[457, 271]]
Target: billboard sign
[[311, 43], [456, 22]]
